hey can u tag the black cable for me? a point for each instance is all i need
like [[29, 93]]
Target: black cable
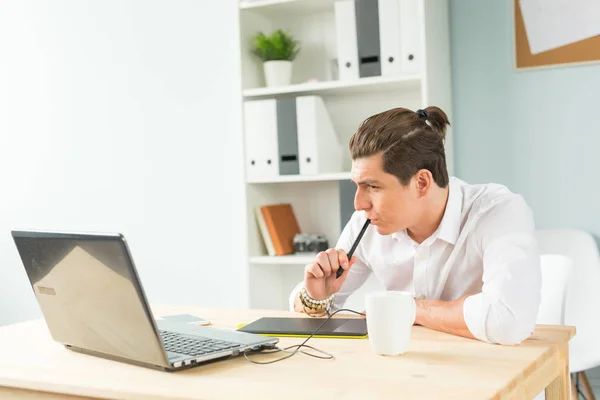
[[298, 346]]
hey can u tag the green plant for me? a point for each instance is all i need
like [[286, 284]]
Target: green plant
[[279, 45]]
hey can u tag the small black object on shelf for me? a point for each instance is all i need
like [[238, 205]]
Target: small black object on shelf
[[310, 243]]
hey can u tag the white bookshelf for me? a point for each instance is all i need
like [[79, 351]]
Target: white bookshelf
[[315, 198]]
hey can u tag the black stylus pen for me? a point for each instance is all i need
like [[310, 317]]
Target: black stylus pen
[[340, 271]]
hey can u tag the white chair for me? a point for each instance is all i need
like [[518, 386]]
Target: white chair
[[583, 297], [556, 273]]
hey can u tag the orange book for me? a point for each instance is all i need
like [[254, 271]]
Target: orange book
[[282, 226]]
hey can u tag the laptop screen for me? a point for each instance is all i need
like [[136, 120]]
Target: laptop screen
[[89, 294]]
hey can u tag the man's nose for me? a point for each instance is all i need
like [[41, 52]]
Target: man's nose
[[361, 201]]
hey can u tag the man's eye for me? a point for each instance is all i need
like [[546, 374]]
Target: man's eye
[[373, 187]]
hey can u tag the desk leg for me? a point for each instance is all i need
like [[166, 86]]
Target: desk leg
[[560, 387]]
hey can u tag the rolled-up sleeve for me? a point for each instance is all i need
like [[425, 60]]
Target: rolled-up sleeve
[[505, 311]]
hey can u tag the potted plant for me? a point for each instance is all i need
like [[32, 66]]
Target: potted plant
[[276, 51]]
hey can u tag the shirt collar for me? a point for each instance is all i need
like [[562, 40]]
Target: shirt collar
[[449, 227], [403, 235]]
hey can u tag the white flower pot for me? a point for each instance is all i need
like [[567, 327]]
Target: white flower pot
[[278, 72]]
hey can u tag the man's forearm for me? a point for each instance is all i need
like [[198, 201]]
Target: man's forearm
[[445, 316]]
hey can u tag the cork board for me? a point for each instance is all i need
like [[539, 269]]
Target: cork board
[[583, 51]]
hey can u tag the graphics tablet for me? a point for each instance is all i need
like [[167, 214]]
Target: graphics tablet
[[304, 327]]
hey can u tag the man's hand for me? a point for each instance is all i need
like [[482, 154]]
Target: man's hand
[[445, 316], [320, 277]]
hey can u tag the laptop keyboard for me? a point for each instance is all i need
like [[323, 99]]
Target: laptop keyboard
[[198, 346]]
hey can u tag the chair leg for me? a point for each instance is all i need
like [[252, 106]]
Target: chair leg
[[574, 394], [585, 386]]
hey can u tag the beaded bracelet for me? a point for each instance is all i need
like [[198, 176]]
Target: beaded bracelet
[[313, 304]]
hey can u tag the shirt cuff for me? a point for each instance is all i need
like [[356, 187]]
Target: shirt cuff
[[293, 295], [475, 310]]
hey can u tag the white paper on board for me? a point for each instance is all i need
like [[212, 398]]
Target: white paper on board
[[554, 23]]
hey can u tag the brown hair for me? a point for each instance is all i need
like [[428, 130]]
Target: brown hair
[[407, 140]]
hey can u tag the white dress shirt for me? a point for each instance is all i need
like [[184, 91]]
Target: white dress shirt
[[484, 247]]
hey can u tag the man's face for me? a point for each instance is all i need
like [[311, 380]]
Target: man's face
[[389, 205]]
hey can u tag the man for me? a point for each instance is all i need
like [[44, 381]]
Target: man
[[467, 252]]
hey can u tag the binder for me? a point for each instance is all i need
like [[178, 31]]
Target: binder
[[367, 34], [389, 30], [287, 137], [319, 149], [271, 139], [410, 37], [400, 37], [346, 38], [260, 139]]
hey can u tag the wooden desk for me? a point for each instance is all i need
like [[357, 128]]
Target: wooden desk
[[437, 366]]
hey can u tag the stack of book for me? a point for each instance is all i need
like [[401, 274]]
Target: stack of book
[[278, 226]]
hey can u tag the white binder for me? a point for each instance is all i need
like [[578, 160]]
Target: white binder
[[260, 139], [389, 32], [410, 37], [400, 37], [319, 149], [346, 38]]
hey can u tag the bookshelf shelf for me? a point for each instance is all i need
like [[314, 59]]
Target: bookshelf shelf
[[289, 6], [292, 259], [304, 178], [337, 87]]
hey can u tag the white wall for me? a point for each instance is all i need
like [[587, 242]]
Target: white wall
[[124, 115], [532, 130]]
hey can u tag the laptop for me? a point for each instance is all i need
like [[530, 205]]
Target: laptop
[[93, 302]]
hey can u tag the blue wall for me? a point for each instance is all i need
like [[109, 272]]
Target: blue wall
[[536, 131]]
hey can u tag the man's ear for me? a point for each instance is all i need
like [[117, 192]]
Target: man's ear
[[423, 181]]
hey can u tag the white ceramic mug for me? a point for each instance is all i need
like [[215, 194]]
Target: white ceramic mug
[[390, 317]]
